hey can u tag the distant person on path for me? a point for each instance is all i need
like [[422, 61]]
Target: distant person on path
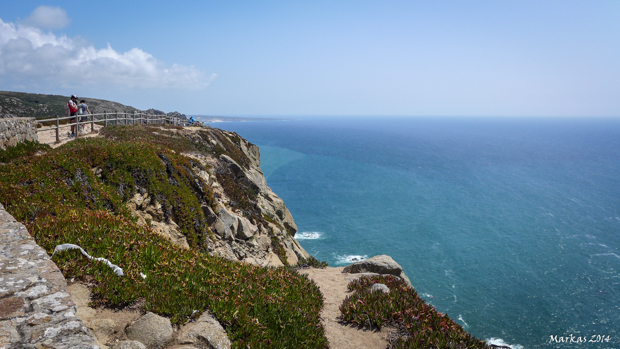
[[72, 109], [83, 110]]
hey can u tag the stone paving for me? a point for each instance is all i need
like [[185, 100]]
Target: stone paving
[[36, 311]]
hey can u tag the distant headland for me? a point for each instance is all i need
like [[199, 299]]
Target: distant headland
[[208, 118]]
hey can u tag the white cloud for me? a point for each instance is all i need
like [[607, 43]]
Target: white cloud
[[30, 56], [48, 17]]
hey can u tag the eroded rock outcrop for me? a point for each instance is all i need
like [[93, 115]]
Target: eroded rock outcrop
[[246, 220]]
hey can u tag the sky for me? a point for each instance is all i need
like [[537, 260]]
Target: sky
[[294, 58]]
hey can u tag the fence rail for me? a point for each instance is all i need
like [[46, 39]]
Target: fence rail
[[106, 119]]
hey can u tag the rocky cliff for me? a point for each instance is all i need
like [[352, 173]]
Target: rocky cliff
[[249, 222]]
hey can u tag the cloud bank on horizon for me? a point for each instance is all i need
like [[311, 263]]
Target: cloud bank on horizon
[[31, 57]]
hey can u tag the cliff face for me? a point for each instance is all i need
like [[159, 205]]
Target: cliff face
[[247, 221]]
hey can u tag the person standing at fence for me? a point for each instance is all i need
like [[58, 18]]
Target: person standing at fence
[[72, 109], [83, 111]]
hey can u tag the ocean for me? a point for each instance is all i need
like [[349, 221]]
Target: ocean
[[511, 226]]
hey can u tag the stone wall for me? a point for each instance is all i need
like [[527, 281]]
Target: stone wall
[[15, 130], [35, 309]]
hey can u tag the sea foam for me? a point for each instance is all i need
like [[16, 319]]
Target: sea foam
[[350, 259], [500, 342], [308, 235]]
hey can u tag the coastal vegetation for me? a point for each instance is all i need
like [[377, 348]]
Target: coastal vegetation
[[420, 325], [77, 194], [80, 192]]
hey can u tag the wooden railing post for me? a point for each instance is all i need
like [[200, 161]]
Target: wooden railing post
[[92, 122], [57, 129], [105, 119], [116, 118]]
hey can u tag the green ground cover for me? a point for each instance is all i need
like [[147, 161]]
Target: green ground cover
[[420, 325], [77, 194]]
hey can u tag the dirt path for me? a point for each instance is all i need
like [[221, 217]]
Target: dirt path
[[49, 136], [333, 284]]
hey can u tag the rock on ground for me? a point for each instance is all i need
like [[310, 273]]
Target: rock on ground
[[151, 330], [382, 264], [379, 288], [206, 330]]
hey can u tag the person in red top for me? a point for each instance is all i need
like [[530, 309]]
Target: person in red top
[[72, 109]]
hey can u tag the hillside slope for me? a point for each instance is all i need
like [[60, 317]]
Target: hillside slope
[[43, 106], [165, 204]]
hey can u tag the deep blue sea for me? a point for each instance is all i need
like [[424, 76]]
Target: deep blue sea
[[509, 225]]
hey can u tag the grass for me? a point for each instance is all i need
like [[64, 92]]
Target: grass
[[420, 324], [77, 194]]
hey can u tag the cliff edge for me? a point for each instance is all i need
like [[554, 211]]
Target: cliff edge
[[249, 221]]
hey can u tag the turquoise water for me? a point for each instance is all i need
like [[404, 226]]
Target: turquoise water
[[510, 226]]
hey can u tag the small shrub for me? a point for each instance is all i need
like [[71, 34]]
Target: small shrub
[[311, 262]]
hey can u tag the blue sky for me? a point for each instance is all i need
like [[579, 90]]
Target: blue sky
[[288, 58]]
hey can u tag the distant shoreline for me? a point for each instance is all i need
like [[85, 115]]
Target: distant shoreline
[[207, 119]]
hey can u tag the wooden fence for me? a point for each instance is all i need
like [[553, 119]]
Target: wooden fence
[[110, 119]]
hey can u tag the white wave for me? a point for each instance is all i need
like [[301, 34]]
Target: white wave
[[427, 295], [350, 259], [308, 235], [460, 318], [500, 342]]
